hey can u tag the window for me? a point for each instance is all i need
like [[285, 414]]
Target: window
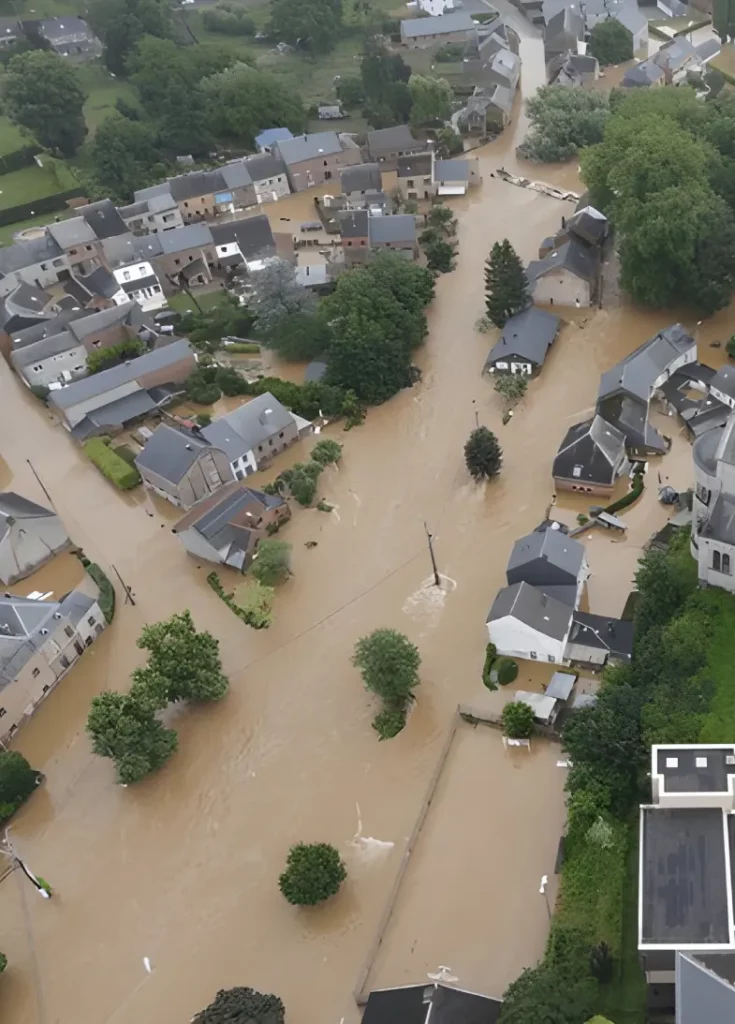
[[281, 435], [325, 163], [39, 367], [716, 561], [3, 711], [239, 475], [349, 243], [36, 672], [155, 289], [191, 258], [90, 620], [177, 262], [72, 252], [672, 762], [577, 471], [69, 631], [260, 447], [45, 688], [533, 654], [88, 248], [700, 762], [44, 266], [58, 263], [64, 661], [126, 275], [726, 563], [186, 205], [410, 182], [552, 658], [96, 344], [501, 366], [270, 442]]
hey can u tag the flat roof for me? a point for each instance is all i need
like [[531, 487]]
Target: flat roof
[[695, 769], [684, 898], [561, 685]]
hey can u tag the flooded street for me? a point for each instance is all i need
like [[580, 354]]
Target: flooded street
[[183, 867]]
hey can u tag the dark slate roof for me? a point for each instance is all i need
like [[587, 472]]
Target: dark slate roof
[[683, 771], [27, 298], [56, 29], [457, 21], [101, 282], [603, 633], [417, 1004], [590, 452], [196, 183], [271, 135], [398, 139], [636, 373], [252, 234], [29, 253], [565, 22], [395, 229], [572, 256], [724, 380], [265, 165], [308, 147], [361, 178], [534, 607], [243, 429], [550, 546], [354, 223], [104, 219], [130, 287], [721, 522], [589, 224], [170, 453], [72, 232], [192, 236], [644, 74], [630, 415], [416, 166], [528, 335]]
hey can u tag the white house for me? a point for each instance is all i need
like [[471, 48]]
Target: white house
[[252, 435], [139, 281], [269, 177], [436, 7], [525, 622]]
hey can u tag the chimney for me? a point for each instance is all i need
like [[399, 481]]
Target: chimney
[[189, 448]]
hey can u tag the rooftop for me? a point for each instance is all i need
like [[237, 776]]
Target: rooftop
[[418, 165], [414, 28], [271, 135], [551, 546], [170, 453], [533, 607], [696, 768], [571, 256], [71, 232], [361, 178], [243, 429], [308, 147], [192, 236], [603, 633], [397, 139], [591, 452], [438, 1004], [637, 373], [395, 228], [451, 170], [529, 334], [265, 165]]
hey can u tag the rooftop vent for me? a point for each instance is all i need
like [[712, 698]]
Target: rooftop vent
[[730, 759]]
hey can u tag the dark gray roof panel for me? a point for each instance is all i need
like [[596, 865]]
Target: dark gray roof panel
[[550, 546], [170, 453], [533, 607], [700, 769], [528, 335], [439, 1004], [637, 372]]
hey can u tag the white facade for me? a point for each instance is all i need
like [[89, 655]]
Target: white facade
[[512, 366], [516, 639], [244, 466], [270, 190], [562, 288], [150, 294], [712, 540], [61, 367], [436, 7]]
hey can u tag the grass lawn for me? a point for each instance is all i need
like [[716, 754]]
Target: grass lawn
[[183, 304], [7, 231], [103, 91], [25, 185], [719, 723], [11, 137]]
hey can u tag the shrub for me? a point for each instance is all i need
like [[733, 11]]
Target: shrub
[[602, 964], [507, 670], [326, 452], [242, 1006], [106, 599], [203, 419], [3, 962], [633, 494], [730, 347], [314, 872], [389, 722], [117, 471], [582, 518], [103, 358], [271, 563], [244, 347], [17, 781], [517, 720], [126, 452], [40, 391], [252, 602], [490, 655], [511, 386]]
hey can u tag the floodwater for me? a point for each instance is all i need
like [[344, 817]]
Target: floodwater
[[183, 868]]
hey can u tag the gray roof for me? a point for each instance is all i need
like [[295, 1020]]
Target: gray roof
[[533, 607], [566, 22], [415, 166], [15, 506], [101, 320], [103, 218], [170, 453], [571, 256], [589, 224], [21, 622], [236, 174], [115, 414], [721, 522], [163, 188], [724, 380], [414, 28], [591, 452], [561, 685], [99, 383], [75, 231], [399, 227], [615, 636], [121, 250], [529, 335], [550, 546], [46, 328], [708, 49], [308, 147], [253, 235], [705, 987], [27, 297], [68, 25], [134, 209], [196, 183], [361, 178], [159, 204], [354, 223], [29, 253], [451, 170], [265, 165], [442, 1004], [675, 55], [101, 282], [637, 372], [643, 74], [53, 345], [725, 450], [192, 236], [243, 429], [397, 139]]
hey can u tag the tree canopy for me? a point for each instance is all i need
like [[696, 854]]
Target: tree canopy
[[184, 662], [483, 454], [123, 727], [506, 285], [385, 85], [517, 720], [125, 157], [42, 93], [389, 664], [313, 24], [314, 872], [242, 1006], [611, 42], [276, 294], [431, 99], [121, 23], [241, 101], [272, 562], [562, 122], [17, 781]]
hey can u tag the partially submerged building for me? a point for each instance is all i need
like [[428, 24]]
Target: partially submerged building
[[30, 535]]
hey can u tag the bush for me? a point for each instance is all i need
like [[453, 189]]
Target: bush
[[3, 962], [731, 346], [103, 358], [490, 656], [123, 476], [242, 1006], [40, 391], [314, 872], [389, 722], [252, 603], [17, 781], [271, 563], [633, 494], [106, 599], [203, 419], [517, 720], [507, 670], [126, 453], [562, 122], [582, 519], [326, 452], [244, 347], [511, 386]]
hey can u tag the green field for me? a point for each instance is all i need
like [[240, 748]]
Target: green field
[[11, 137], [103, 91], [27, 184], [183, 304]]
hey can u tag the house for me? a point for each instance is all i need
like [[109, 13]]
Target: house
[[39, 642], [722, 386], [186, 254], [266, 139], [313, 159], [386, 145], [627, 388], [203, 194], [253, 434], [591, 458], [591, 12], [567, 276], [685, 892], [249, 241], [354, 227], [330, 112], [671, 63], [587, 225], [454, 177], [643, 75], [139, 282], [524, 622], [160, 212], [104, 219], [268, 175], [488, 110], [504, 68], [79, 243], [108, 400], [545, 707], [396, 232], [430, 1003], [415, 176], [38, 261], [180, 467], [436, 7], [96, 290], [524, 343], [552, 561], [25, 306], [71, 37], [564, 32], [361, 180], [419, 33], [11, 30], [30, 535], [595, 640], [713, 506], [226, 527], [687, 393], [573, 69]]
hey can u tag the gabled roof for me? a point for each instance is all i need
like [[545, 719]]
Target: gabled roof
[[170, 453], [308, 147], [102, 320], [603, 633], [416, 166], [196, 183], [15, 506], [265, 165], [192, 236], [724, 380], [29, 253], [550, 546], [103, 219], [567, 22], [591, 452], [55, 29], [643, 74], [271, 135], [399, 227], [636, 373], [361, 178], [100, 282], [534, 608], [75, 231], [451, 170], [571, 256], [397, 139], [354, 223], [122, 250], [252, 234], [414, 28], [589, 224], [44, 348], [243, 429], [528, 334]]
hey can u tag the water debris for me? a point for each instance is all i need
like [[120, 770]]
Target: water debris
[[369, 849]]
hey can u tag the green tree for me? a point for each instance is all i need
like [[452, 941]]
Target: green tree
[[314, 872], [256, 602], [313, 24], [439, 255], [483, 455], [299, 336], [43, 93], [124, 728], [517, 720], [350, 91], [431, 99], [507, 670], [187, 661], [125, 156], [442, 219], [389, 664], [663, 583], [3, 962], [384, 78], [206, 329], [611, 42], [120, 24], [512, 386], [276, 294], [17, 781], [563, 121], [229, 19], [301, 480], [506, 284], [242, 1006], [272, 562], [731, 346], [326, 452], [448, 143], [547, 995], [241, 101]]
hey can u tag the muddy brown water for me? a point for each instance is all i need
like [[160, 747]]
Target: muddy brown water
[[183, 868]]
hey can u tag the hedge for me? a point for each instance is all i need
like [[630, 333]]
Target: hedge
[[106, 598], [123, 476], [55, 203], [633, 494]]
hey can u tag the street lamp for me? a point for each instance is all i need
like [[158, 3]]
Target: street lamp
[[542, 890]]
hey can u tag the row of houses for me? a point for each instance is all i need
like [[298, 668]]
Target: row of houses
[[673, 63]]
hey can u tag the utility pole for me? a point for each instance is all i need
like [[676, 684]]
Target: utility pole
[[126, 588], [430, 539], [41, 484], [477, 415]]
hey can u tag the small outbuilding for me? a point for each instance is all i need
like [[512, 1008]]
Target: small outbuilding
[[524, 343]]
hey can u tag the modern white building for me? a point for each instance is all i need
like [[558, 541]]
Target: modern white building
[[436, 7], [139, 281]]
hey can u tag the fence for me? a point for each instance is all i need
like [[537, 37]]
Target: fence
[[47, 204]]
